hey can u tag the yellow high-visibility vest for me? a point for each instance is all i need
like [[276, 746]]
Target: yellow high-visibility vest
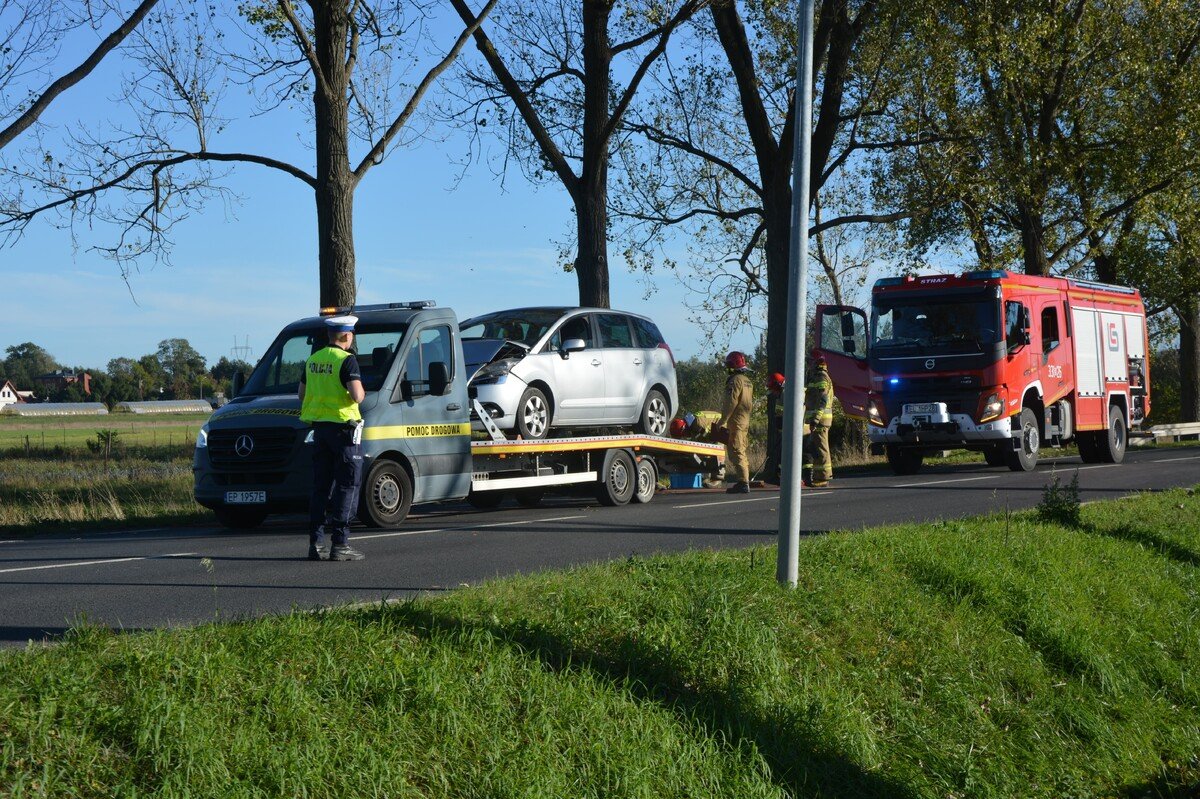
[[325, 398]]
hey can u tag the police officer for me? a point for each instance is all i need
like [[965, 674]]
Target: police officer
[[735, 420], [330, 391], [818, 414]]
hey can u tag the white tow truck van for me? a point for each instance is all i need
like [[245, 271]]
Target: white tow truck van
[[252, 457]]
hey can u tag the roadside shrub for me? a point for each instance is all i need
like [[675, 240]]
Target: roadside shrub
[[1060, 503]]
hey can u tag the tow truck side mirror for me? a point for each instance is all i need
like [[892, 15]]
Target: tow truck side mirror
[[406, 388], [572, 345], [237, 384], [439, 378]]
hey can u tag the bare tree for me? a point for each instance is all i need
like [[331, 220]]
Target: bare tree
[[553, 61], [32, 29], [348, 57]]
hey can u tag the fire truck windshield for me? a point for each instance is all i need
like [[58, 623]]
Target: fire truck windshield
[[908, 326]]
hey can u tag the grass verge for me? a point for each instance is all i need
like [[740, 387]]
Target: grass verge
[[996, 657]]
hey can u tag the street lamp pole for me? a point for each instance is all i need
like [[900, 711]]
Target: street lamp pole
[[787, 568]]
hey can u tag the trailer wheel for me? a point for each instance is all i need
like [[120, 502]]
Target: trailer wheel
[[904, 461], [655, 415], [485, 500], [1025, 457], [533, 415], [530, 497], [240, 518], [647, 481], [994, 455], [387, 495], [618, 480], [1112, 443]]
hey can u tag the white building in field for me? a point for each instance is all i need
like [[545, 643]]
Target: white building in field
[[9, 394]]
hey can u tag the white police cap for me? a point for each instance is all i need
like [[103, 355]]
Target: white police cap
[[341, 324]]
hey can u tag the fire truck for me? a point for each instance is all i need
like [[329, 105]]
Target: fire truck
[[991, 361]]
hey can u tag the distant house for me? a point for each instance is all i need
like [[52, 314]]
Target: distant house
[[61, 378], [9, 394]]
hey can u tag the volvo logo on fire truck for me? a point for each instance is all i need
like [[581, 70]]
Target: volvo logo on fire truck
[[930, 363]]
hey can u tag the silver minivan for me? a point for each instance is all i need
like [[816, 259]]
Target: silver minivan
[[534, 369]]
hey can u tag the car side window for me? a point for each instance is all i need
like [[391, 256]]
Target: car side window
[[575, 327], [648, 336], [614, 331], [433, 344]]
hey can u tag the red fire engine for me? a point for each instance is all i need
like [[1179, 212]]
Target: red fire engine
[[991, 361]]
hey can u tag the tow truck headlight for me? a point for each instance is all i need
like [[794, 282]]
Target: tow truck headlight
[[202, 437], [991, 407], [875, 413]]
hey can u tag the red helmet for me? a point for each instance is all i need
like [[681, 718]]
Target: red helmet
[[817, 357], [735, 360], [677, 427], [775, 382]]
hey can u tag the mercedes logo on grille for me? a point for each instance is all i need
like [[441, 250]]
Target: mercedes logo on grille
[[928, 365], [243, 446]]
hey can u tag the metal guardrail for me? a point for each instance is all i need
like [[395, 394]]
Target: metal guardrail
[[1170, 432]]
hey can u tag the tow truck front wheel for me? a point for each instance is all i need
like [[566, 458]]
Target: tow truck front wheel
[[386, 495], [1025, 457]]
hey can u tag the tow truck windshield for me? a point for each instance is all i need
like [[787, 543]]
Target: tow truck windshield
[[279, 371], [905, 327]]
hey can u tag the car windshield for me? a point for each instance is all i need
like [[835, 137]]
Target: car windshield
[[918, 326], [525, 326], [279, 371]]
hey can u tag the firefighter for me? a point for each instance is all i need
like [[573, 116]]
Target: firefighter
[[775, 386], [330, 391], [818, 415], [735, 422]]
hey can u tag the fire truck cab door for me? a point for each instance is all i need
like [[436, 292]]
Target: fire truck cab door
[[841, 336]]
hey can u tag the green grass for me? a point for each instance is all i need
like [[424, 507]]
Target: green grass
[[64, 489], [998, 657], [33, 434]]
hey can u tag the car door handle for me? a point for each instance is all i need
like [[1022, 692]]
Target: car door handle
[[637, 361], [595, 362], [453, 406]]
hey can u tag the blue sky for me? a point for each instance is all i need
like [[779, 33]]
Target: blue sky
[[245, 269]]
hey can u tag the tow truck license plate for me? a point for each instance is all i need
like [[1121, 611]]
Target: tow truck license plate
[[245, 497], [921, 407]]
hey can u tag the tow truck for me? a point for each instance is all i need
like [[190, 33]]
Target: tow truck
[[991, 361], [252, 457]]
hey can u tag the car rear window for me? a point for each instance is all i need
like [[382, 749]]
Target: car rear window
[[647, 333], [614, 330]]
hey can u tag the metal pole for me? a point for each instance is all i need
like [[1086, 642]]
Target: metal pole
[[786, 569]]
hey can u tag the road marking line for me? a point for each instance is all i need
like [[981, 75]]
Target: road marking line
[[466, 528], [739, 501], [1160, 460], [95, 562], [940, 482], [1101, 466]]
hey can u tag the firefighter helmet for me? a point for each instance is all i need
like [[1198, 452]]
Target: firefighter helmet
[[775, 382], [678, 426], [735, 360]]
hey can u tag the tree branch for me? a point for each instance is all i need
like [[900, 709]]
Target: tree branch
[[80, 72], [662, 137], [306, 47], [851, 219]]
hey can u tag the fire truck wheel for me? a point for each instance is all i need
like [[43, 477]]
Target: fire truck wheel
[[1089, 452], [647, 481], [618, 481], [1025, 458], [994, 455], [1112, 444], [904, 461], [485, 500], [386, 495], [240, 518]]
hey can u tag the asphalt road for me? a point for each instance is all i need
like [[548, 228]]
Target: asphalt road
[[184, 576]]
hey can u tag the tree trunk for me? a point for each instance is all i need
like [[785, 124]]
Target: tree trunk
[[777, 203], [591, 194], [1033, 240], [1189, 362], [334, 192]]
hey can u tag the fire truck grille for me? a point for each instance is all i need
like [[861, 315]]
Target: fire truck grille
[[259, 448]]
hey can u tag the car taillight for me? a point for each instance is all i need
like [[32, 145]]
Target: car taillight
[[663, 346]]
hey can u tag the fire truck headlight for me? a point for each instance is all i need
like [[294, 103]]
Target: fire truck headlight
[[991, 408], [874, 416]]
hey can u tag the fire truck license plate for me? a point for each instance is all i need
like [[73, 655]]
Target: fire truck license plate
[[245, 497], [921, 407]]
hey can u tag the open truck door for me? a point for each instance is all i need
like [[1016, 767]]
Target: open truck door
[[841, 336]]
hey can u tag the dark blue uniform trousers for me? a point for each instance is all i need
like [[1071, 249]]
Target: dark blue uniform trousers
[[337, 474]]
